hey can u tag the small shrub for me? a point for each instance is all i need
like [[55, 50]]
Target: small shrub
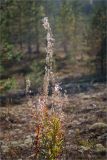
[[6, 85], [36, 76], [49, 136]]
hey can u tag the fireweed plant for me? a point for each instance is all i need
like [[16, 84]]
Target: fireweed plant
[[49, 117]]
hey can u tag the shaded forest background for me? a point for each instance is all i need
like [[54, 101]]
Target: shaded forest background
[[79, 28]]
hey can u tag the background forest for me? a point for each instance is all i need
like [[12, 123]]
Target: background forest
[[79, 28], [53, 106]]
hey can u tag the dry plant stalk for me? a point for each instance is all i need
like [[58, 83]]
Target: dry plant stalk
[[49, 127], [56, 100], [49, 75]]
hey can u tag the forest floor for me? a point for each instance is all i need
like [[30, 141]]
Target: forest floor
[[86, 128]]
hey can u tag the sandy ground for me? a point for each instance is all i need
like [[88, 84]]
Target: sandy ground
[[85, 123]]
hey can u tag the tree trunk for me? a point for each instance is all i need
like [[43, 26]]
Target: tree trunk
[[37, 40], [29, 47], [102, 60], [20, 30]]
